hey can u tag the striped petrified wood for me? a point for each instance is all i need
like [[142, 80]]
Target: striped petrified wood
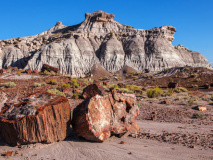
[[41, 117]]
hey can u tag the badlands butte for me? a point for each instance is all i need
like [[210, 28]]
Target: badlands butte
[[104, 90], [99, 40]]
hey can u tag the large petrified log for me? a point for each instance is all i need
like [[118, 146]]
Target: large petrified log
[[41, 117], [100, 116]]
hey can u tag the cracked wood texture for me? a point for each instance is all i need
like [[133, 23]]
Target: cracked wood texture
[[97, 118], [41, 117]]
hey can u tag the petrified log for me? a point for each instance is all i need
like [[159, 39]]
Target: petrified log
[[206, 86], [100, 116], [49, 68], [41, 117], [93, 90]]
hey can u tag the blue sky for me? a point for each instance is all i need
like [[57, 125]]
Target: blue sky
[[192, 18]]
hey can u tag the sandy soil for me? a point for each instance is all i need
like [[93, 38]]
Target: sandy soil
[[134, 148]]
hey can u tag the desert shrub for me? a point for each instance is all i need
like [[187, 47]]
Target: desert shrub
[[198, 80], [115, 86], [8, 85], [154, 92], [47, 73], [37, 85], [152, 77], [191, 101], [8, 71], [55, 91], [125, 90], [18, 73], [75, 95], [211, 97], [65, 85], [58, 74], [166, 70], [180, 89], [43, 84], [169, 92], [53, 81], [52, 73], [194, 75], [194, 86], [197, 115]]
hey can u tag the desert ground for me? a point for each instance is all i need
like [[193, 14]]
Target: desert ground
[[171, 125]]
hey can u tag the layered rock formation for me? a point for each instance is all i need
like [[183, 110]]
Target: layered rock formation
[[41, 117], [99, 39], [100, 116]]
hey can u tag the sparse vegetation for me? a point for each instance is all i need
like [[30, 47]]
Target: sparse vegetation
[[39, 84], [66, 85], [154, 92], [198, 115], [75, 83], [180, 89], [211, 98], [47, 73], [75, 95], [53, 81], [18, 73], [8, 85], [56, 92], [194, 86]]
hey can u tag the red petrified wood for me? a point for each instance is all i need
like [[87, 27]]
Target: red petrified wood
[[41, 117], [93, 90], [100, 116]]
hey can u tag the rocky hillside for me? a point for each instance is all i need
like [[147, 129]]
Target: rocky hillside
[[99, 39]]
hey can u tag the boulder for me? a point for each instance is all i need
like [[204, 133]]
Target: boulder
[[93, 90], [3, 71], [35, 71], [49, 68], [41, 117], [28, 71], [172, 85], [206, 86], [97, 118], [147, 70], [12, 68]]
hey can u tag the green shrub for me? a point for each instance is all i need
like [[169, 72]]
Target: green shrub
[[194, 86], [198, 115], [75, 95], [170, 92], [43, 84], [18, 73], [52, 73], [58, 74], [53, 81], [154, 92], [37, 85], [55, 91], [198, 80], [211, 97], [47, 73], [65, 85], [115, 86], [8, 85], [180, 89], [191, 101], [194, 75]]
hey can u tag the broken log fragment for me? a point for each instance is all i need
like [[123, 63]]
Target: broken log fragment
[[100, 116], [41, 117]]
